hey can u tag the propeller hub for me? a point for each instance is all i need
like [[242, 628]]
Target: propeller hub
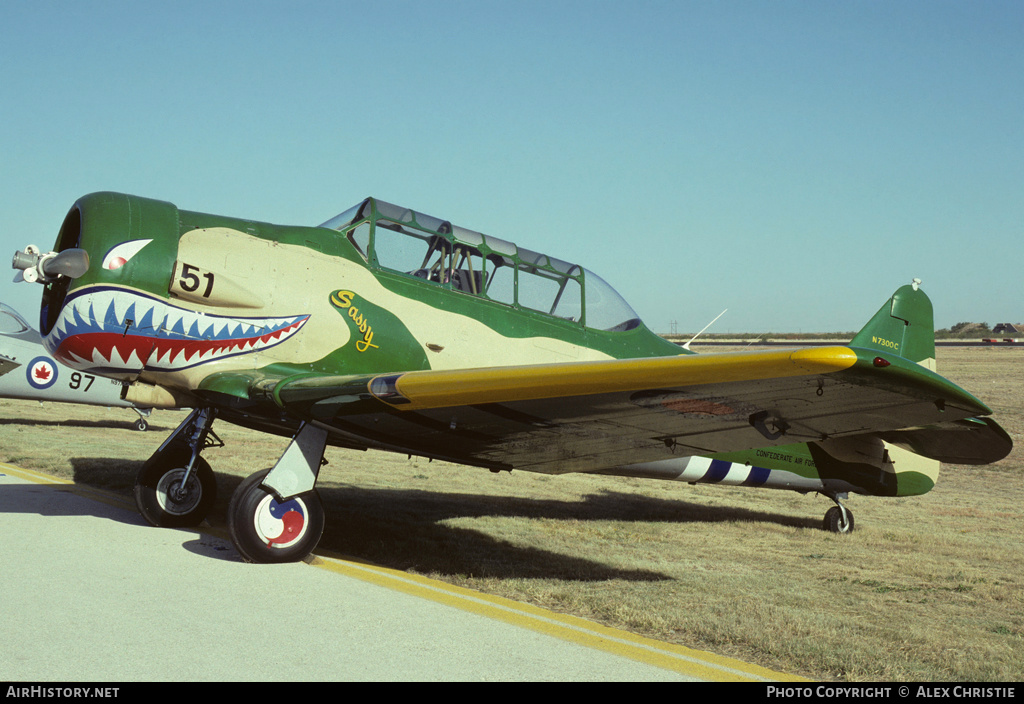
[[44, 268]]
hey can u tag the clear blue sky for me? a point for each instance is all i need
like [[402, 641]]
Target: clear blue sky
[[793, 162]]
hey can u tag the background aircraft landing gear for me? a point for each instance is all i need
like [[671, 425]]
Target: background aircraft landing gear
[[144, 413], [265, 530]]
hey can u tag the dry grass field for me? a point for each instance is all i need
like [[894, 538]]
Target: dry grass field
[[927, 588]]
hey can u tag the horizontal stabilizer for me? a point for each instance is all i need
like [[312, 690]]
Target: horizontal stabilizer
[[967, 441]]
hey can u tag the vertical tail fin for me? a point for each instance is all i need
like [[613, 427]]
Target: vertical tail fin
[[904, 325]]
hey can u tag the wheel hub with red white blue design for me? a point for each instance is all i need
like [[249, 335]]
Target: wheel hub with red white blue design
[[280, 524]]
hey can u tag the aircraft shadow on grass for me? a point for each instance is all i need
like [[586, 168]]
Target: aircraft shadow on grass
[[406, 529], [126, 424]]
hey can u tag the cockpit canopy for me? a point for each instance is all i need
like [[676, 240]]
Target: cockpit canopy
[[11, 322], [411, 243]]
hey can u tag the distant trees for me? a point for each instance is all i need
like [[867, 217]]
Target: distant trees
[[963, 330]]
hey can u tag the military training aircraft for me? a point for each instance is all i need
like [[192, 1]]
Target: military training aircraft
[[388, 329], [27, 371]]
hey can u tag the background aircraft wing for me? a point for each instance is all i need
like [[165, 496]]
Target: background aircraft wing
[[582, 416], [7, 364]]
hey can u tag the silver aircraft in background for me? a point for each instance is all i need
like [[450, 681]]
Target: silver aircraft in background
[[27, 371]]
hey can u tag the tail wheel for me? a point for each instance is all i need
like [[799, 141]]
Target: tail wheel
[[836, 522], [264, 529], [162, 499]]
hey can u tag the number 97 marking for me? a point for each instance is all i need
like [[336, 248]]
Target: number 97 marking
[[76, 381]]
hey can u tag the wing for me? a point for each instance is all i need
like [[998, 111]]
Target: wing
[[574, 417], [7, 364]]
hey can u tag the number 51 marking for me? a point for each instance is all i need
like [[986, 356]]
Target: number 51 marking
[[190, 280]]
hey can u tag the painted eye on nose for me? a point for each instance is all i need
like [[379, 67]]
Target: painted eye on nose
[[119, 255]]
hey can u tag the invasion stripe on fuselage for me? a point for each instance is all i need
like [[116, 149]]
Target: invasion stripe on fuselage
[[718, 471], [758, 476]]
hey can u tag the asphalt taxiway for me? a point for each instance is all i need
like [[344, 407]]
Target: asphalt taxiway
[[90, 593]]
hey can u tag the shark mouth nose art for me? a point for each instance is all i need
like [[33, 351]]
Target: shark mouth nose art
[[113, 329]]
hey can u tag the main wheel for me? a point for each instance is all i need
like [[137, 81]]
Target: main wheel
[[266, 530], [162, 499], [835, 523]]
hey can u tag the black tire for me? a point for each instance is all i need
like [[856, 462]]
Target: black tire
[[834, 521], [265, 530], [141, 424], [157, 481]]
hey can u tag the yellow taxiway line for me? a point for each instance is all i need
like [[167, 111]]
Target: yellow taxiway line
[[686, 661], [68, 485]]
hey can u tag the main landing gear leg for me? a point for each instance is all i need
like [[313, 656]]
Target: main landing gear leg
[[176, 486], [275, 515], [838, 519]]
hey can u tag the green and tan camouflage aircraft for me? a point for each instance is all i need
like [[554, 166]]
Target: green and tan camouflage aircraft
[[388, 329]]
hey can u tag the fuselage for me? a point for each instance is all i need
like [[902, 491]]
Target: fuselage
[[180, 295]]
